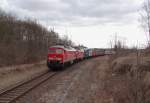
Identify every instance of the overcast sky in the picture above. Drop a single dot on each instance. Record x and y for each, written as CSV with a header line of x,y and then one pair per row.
x,y
92,23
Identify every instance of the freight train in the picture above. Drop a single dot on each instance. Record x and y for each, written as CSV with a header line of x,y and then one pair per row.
x,y
59,56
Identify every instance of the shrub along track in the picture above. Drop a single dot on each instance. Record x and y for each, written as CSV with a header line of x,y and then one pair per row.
x,y
18,91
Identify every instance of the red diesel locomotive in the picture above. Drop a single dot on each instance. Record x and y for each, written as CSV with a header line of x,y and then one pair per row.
x,y
59,56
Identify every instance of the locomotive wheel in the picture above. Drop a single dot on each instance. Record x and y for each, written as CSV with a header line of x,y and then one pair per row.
x,y
63,66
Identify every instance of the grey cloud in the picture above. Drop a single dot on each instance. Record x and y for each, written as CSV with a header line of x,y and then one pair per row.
x,y
38,5
100,8
75,12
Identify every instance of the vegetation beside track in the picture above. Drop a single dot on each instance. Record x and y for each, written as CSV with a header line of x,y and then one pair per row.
x,y
130,74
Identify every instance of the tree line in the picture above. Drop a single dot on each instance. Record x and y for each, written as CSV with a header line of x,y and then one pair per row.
x,y
25,41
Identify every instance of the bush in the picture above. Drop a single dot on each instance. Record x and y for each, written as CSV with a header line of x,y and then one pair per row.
x,y
130,80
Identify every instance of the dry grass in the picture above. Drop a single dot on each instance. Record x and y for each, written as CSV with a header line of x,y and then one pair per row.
x,y
10,76
129,79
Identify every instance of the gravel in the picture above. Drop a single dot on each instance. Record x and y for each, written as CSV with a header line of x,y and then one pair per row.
x,y
80,83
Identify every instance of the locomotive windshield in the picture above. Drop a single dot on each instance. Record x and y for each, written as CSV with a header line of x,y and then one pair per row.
x,y
51,51
55,51
59,51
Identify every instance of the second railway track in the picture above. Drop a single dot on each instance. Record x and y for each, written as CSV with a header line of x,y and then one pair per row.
x,y
13,94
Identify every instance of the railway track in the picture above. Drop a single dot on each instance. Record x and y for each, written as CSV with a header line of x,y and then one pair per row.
x,y
18,91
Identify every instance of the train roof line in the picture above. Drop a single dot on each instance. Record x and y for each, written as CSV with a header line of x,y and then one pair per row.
x,y
64,47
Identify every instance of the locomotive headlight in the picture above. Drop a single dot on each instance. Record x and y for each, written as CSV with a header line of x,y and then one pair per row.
x,y
50,58
58,58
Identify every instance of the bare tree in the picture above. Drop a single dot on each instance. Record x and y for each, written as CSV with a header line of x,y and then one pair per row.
x,y
145,18
118,42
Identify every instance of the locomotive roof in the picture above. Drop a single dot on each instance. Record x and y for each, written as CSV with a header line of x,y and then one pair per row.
x,y
68,48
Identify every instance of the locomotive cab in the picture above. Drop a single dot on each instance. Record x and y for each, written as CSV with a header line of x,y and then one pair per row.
x,y
55,57
59,56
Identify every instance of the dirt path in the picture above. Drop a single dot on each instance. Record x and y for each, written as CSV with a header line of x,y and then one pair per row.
x,y
80,85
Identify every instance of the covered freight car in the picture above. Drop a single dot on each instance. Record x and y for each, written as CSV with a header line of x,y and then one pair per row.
x,y
88,53
93,52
